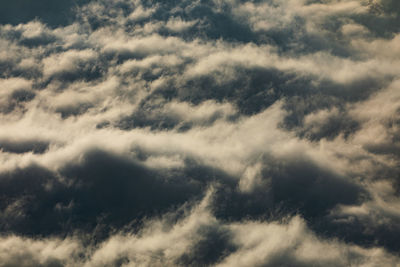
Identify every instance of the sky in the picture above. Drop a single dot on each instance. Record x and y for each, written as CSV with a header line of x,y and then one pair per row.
x,y
200,133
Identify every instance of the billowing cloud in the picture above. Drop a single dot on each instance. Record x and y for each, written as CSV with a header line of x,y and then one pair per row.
x,y
199,133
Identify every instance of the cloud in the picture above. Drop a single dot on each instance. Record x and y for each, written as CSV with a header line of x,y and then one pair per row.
x,y
22,11
198,237
221,133
119,192
17,251
35,146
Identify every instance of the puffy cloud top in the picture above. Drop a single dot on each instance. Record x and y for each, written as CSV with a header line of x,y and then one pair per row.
x,y
200,133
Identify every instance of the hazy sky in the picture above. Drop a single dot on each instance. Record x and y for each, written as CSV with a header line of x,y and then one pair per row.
x,y
200,133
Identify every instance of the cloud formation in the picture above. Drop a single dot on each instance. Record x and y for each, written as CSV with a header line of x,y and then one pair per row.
x,y
200,133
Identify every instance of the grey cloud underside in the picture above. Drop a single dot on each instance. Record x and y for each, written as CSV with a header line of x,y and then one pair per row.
x,y
52,12
200,133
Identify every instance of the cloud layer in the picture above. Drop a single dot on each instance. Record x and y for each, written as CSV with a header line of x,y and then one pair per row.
x,y
200,133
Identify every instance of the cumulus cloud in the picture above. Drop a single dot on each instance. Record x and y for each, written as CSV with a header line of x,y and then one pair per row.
x,y
195,238
199,133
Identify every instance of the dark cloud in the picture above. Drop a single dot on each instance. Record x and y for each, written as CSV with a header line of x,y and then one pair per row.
x,y
22,95
357,231
14,146
72,110
289,187
104,189
214,245
54,13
